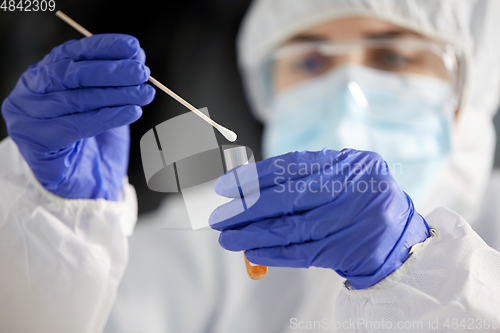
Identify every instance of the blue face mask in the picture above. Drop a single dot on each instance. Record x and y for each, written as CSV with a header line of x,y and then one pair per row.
x,y
404,118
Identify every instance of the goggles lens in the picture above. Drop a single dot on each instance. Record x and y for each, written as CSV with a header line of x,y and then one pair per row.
x,y
293,64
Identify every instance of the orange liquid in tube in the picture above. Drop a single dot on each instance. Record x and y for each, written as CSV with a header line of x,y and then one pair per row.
x,y
235,157
255,272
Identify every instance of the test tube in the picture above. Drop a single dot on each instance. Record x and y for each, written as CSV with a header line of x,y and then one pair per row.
x,y
234,157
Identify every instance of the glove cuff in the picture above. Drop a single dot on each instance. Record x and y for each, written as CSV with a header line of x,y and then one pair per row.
x,y
415,231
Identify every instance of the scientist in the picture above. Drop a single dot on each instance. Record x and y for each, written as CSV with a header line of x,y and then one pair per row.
x,y
408,87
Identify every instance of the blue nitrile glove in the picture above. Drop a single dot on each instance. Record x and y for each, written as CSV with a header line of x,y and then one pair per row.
x,y
339,210
69,114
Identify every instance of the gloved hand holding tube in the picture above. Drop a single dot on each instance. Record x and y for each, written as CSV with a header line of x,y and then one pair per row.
x,y
69,114
333,209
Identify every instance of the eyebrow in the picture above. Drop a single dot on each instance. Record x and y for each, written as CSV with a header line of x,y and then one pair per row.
x,y
307,38
390,35
372,36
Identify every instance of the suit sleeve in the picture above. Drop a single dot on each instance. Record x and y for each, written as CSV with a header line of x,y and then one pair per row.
x,y
60,260
451,283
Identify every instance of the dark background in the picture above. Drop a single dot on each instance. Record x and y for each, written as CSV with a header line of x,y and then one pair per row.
x,y
190,47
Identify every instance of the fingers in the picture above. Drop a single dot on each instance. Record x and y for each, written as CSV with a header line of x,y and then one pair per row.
x,y
68,74
293,197
280,169
57,104
57,133
312,225
329,252
311,191
335,251
140,56
279,231
96,47
295,255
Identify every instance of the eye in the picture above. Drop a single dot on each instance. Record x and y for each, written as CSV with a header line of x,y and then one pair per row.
x,y
311,64
391,60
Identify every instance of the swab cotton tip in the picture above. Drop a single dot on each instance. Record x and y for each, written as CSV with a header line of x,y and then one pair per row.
x,y
228,134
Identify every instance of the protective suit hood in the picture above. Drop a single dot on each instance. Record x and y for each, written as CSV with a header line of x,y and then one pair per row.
x,y
470,26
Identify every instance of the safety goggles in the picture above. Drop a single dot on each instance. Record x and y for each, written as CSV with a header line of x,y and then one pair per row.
x,y
296,63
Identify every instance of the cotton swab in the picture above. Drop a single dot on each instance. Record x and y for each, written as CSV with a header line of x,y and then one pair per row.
x,y
228,134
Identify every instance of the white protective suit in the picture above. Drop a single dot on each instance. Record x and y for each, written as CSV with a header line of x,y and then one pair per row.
x,y
61,260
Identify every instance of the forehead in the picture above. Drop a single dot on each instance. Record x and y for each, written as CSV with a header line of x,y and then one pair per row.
x,y
352,28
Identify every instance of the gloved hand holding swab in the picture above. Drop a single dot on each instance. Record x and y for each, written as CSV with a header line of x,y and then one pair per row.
x,y
228,134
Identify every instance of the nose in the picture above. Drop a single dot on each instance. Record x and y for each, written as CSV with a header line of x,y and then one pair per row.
x,y
349,58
